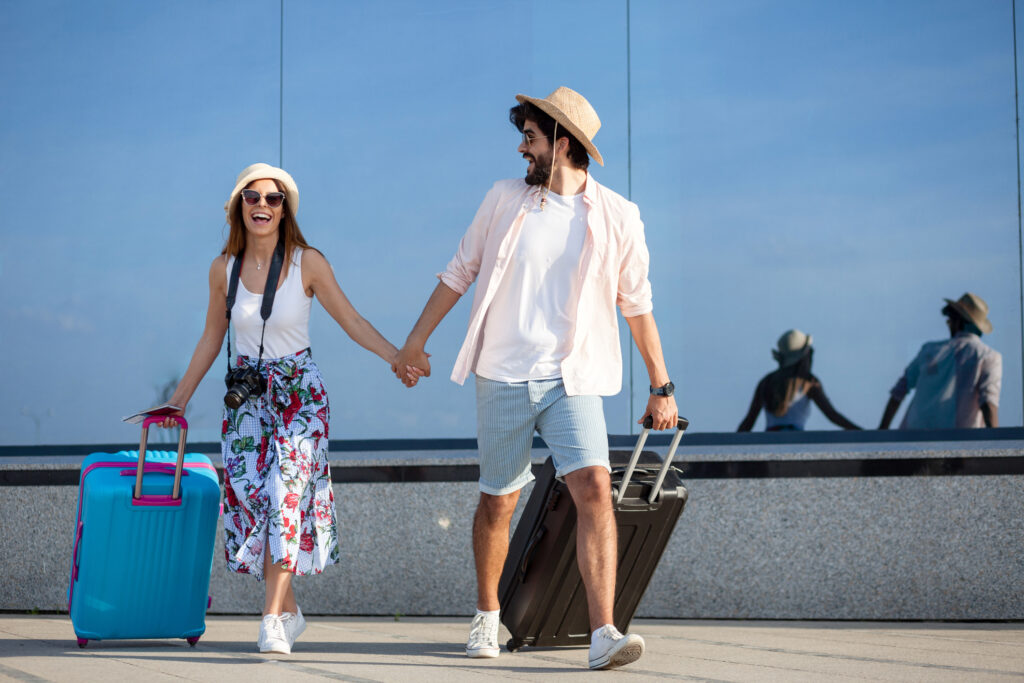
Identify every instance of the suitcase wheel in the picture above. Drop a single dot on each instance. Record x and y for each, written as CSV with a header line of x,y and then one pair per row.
x,y
513,644
191,641
82,642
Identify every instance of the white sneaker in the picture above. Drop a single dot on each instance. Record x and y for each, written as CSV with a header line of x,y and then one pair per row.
x,y
610,649
294,625
483,636
273,637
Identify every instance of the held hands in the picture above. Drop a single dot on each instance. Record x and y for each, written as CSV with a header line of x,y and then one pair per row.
x,y
410,364
663,412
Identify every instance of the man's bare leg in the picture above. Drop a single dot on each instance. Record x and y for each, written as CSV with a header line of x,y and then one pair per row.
x,y
596,540
597,554
490,546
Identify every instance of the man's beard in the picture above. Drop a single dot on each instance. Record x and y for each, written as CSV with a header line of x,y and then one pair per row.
x,y
541,172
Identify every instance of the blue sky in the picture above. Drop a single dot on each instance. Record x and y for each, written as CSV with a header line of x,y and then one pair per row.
x,y
836,167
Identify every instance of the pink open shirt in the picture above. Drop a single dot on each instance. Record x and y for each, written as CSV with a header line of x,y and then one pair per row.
x,y
613,270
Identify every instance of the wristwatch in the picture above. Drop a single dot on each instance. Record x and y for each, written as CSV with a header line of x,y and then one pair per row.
x,y
665,390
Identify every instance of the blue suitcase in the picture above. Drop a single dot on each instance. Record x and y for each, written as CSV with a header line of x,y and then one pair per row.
x,y
143,547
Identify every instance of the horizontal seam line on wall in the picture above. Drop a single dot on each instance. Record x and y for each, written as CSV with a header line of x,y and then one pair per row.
x,y
736,469
993,436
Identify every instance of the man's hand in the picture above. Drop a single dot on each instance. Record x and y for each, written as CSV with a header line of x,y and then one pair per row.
x,y
410,364
663,412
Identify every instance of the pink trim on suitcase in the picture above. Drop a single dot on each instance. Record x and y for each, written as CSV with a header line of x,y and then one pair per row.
x,y
157,501
156,468
74,574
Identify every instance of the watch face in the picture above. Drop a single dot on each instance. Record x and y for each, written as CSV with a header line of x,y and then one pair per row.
x,y
666,390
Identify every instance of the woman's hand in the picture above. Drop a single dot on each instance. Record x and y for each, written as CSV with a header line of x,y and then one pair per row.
x,y
168,422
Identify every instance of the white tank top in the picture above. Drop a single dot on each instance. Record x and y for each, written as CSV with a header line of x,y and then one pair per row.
x,y
795,417
288,324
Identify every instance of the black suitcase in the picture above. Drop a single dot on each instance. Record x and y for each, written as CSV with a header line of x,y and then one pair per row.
x,y
543,602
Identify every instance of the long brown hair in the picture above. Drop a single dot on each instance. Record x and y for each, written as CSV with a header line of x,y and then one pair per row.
x,y
782,386
289,227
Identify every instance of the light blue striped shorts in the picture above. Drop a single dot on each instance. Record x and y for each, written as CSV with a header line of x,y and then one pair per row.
x,y
508,413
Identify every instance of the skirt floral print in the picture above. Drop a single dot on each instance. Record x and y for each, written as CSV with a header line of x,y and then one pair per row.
x,y
277,484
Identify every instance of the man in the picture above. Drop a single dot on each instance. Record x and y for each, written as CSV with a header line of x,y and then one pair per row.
x,y
552,255
957,381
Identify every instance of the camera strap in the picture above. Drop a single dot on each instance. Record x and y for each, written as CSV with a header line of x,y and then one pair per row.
x,y
269,292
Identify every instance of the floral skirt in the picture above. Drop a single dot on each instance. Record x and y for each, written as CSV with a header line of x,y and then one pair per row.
x,y
277,484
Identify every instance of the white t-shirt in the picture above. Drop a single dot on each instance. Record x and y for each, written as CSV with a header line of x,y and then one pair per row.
x,y
528,329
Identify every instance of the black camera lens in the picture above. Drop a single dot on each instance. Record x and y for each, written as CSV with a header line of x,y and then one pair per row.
x,y
241,383
236,396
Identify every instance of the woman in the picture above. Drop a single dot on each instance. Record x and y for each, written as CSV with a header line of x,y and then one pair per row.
x,y
279,516
786,394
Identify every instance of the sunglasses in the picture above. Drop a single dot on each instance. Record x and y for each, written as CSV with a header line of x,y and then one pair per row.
x,y
252,198
529,139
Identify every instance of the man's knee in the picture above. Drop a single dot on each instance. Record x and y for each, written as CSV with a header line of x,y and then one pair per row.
x,y
493,510
590,487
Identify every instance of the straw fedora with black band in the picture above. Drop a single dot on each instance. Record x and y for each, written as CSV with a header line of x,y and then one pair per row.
x,y
973,308
572,112
259,172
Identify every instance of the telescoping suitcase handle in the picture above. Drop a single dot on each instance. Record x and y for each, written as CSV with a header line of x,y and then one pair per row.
x,y
153,419
641,440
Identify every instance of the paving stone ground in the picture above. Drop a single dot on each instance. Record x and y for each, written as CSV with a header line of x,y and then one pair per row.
x,y
43,648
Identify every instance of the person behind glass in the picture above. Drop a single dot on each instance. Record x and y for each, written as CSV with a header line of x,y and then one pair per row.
x,y
279,514
786,394
956,381
552,255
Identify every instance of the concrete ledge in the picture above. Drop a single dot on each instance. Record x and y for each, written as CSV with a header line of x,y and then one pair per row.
x,y
938,545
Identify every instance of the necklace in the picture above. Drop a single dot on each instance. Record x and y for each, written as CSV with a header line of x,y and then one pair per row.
x,y
259,266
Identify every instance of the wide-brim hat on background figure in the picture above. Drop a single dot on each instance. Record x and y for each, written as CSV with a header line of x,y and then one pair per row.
x,y
973,308
258,172
792,347
573,113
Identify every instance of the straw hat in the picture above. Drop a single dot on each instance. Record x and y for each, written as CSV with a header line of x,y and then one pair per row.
x,y
793,346
258,172
972,307
572,112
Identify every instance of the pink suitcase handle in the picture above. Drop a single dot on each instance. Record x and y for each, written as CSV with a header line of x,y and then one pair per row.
x,y
153,419
179,466
156,500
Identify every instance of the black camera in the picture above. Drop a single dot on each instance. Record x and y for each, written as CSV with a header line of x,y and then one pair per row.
x,y
241,383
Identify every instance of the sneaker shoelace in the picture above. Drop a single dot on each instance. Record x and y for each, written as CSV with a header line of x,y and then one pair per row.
x,y
484,632
275,628
611,633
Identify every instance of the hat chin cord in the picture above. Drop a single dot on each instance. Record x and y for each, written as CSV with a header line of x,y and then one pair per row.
x,y
551,176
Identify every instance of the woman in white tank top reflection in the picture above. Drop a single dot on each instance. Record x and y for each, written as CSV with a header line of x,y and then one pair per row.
x,y
787,393
279,515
